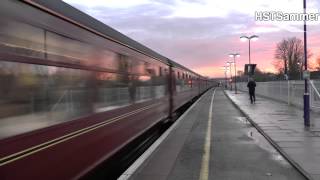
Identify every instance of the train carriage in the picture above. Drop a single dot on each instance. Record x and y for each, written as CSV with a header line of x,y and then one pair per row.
x,y
75,91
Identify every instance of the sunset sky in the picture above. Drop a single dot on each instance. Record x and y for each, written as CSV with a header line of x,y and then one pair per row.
x,y
200,34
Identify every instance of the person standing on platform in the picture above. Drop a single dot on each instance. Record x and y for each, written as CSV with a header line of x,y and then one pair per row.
x,y
252,86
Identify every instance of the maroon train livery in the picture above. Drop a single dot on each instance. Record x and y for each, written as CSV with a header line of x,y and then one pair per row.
x,y
74,91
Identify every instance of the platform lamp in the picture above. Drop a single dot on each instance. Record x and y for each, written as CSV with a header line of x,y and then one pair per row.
x,y
253,38
234,55
229,63
225,68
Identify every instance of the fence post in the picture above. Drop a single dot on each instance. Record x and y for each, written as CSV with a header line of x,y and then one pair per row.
x,y
289,98
311,92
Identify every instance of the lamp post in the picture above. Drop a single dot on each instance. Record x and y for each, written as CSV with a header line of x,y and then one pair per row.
x,y
306,96
225,68
230,65
234,55
245,38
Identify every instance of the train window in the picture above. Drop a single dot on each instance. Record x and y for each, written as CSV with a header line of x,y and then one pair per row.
x,y
138,66
38,93
20,38
113,91
106,59
178,75
160,71
151,69
41,96
24,39
61,48
55,94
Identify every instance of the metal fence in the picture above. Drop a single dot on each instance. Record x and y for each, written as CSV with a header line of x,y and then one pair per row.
x,y
290,92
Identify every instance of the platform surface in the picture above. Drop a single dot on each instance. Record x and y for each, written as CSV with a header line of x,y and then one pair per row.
x,y
284,125
225,146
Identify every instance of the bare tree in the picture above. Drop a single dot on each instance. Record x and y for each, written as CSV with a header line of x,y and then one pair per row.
x,y
290,52
278,65
317,64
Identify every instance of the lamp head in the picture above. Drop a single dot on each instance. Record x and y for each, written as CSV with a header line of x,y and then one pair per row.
x,y
254,37
234,55
244,38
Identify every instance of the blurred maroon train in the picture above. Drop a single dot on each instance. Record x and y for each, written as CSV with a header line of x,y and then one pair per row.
x,y
74,91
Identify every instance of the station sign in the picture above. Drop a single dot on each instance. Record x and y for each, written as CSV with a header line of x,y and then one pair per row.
x,y
249,69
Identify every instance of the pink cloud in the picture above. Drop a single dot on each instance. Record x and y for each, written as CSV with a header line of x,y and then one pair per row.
x,y
202,43
262,52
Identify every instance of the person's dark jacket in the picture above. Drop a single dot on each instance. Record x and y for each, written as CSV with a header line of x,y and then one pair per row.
x,y
251,85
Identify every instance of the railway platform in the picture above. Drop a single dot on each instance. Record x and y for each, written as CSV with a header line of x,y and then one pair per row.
x,y
212,140
283,125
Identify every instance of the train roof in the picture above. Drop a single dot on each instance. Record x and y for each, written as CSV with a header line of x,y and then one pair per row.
x,y
67,12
